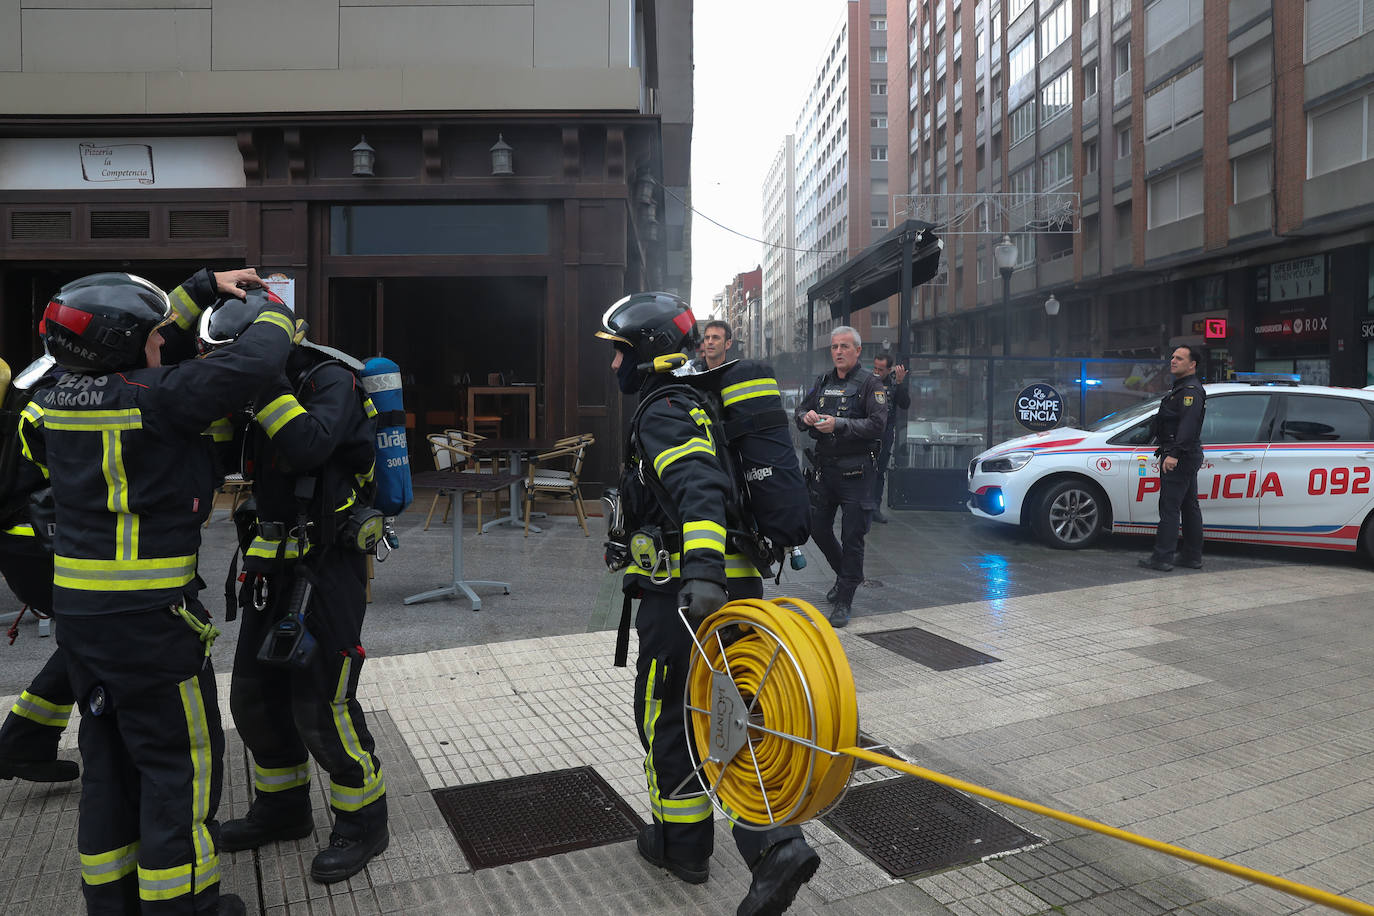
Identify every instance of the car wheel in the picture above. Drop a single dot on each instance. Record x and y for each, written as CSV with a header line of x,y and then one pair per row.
x,y
1071,515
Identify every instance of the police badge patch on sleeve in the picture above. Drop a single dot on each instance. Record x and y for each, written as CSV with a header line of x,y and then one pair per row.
x,y
880,397
1187,400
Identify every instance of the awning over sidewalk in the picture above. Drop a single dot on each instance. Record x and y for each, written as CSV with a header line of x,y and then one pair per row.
x,y
902,259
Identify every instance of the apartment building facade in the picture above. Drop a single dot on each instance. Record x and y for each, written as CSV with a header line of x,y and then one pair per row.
x,y
1221,157
780,314
464,187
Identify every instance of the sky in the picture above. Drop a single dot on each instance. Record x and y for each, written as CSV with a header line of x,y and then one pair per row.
x,y
754,59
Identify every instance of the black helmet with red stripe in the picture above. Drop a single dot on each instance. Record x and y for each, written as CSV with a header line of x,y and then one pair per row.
x,y
230,316
646,325
101,322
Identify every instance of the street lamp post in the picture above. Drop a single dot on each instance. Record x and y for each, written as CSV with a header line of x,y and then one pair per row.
x,y
768,340
1051,310
1005,253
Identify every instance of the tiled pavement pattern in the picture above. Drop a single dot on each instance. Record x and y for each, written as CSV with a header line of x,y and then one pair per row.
x,y
1231,712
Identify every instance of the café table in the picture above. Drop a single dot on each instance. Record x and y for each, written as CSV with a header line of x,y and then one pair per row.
x,y
519,451
458,483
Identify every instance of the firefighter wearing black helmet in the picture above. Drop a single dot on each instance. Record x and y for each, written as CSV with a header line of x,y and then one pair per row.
x,y
698,572
309,455
122,439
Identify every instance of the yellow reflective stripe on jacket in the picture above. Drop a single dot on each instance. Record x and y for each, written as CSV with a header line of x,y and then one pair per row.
x,y
278,412
45,712
369,408
703,535
33,413
754,388
280,320
23,530
104,867
123,575
736,567
220,430
266,548
691,446
124,418
352,798
279,779
164,883
184,308
202,770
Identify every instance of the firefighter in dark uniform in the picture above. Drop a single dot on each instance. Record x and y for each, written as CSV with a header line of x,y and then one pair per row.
x,y
701,569
121,436
310,455
845,412
1178,433
898,396
31,731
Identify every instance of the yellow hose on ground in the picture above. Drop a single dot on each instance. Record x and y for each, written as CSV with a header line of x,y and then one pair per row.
x,y
794,697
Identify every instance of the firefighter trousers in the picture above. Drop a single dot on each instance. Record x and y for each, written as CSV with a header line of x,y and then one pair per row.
x,y
152,751
665,651
287,714
35,724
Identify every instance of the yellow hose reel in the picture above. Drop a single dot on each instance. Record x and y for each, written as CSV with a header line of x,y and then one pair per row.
x,y
774,720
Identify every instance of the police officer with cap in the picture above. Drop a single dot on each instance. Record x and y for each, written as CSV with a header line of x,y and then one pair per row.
x,y
845,412
1178,433
674,496
123,439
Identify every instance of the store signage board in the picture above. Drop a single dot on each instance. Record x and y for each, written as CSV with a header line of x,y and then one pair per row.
x,y
100,163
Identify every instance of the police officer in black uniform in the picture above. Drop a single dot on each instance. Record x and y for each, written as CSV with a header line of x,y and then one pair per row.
x,y
845,412
898,396
123,439
676,491
31,731
310,454
1178,433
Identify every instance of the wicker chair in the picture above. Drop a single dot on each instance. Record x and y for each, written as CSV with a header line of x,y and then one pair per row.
x,y
562,483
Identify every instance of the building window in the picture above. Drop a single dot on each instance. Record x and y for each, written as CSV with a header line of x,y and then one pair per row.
x,y
1025,248
1332,23
879,316
1090,157
1021,60
877,55
1338,136
1123,141
1175,196
1174,103
1055,28
1166,19
878,23
1021,122
878,222
1252,69
1121,57
1089,9
1250,176
1056,97
1090,80
1056,167
879,121
1022,182
877,87
878,153
1016,8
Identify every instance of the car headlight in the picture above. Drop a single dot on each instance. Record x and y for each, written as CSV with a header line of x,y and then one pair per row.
x,y
1005,464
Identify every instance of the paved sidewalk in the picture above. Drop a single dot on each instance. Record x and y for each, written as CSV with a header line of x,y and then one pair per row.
x,y
1230,712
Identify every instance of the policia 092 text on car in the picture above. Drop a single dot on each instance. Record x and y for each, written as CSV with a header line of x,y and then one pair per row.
x,y
676,496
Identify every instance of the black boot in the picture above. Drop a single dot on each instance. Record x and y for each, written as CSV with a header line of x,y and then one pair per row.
x,y
263,826
834,593
231,905
346,856
839,617
39,770
777,878
651,849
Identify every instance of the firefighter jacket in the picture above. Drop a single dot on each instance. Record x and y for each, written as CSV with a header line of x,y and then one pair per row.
x,y
318,428
130,467
678,449
858,403
1178,425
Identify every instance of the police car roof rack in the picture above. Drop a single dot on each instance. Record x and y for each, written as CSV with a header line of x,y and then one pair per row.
x,y
1268,378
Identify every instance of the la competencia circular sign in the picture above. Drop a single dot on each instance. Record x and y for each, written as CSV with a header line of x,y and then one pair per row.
x,y
1039,407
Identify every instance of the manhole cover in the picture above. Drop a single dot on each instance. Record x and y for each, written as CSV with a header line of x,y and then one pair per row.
x,y
911,826
530,817
930,650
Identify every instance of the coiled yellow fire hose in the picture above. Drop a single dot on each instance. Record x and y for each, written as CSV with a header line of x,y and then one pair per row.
x,y
774,717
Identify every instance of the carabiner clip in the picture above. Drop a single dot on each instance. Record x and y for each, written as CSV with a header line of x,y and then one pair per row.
x,y
661,562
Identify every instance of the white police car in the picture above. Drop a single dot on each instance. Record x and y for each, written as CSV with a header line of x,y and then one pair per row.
x,y
1286,464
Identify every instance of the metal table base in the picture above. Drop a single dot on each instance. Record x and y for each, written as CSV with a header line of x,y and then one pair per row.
x,y
457,484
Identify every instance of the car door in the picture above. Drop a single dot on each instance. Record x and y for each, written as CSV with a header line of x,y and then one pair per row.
x,y
1317,486
1235,433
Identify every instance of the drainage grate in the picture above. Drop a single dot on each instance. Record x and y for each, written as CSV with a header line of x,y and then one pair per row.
x,y
911,826
870,743
530,817
928,649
